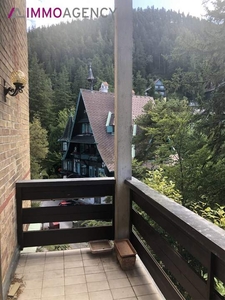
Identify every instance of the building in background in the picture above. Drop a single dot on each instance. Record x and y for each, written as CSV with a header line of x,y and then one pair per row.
x,y
157,88
88,139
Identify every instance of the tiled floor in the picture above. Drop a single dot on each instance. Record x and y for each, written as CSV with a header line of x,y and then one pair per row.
x,y
80,275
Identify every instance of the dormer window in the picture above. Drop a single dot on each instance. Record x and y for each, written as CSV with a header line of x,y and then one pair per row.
x,y
110,123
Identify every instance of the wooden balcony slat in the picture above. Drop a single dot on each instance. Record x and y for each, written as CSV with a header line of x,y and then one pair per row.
x,y
202,231
66,182
66,188
66,236
74,213
189,243
202,239
219,268
163,281
172,260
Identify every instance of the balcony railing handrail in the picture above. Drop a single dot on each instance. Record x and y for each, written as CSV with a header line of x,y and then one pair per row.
x,y
60,189
198,239
204,231
67,181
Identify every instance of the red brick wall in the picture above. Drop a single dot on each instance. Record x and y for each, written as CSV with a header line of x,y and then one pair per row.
x,y
14,125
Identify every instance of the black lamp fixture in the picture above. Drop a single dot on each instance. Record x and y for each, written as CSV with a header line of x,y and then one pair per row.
x,y
19,80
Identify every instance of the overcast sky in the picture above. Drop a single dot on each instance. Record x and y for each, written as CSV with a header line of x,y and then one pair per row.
x,y
193,7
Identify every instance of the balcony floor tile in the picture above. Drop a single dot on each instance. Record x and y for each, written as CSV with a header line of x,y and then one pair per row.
x,y
79,274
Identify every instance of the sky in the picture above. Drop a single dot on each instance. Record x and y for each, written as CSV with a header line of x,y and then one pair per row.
x,y
192,7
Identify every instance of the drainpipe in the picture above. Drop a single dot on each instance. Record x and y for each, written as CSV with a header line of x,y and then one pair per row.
x,y
123,114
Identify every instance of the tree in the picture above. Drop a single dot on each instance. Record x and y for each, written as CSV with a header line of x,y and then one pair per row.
x,y
62,92
160,182
139,171
175,138
38,148
167,139
140,84
52,161
40,93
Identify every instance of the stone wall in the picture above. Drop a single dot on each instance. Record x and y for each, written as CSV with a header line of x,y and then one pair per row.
x,y
14,130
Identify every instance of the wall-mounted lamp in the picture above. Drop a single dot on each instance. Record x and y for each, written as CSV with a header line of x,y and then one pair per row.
x,y
18,78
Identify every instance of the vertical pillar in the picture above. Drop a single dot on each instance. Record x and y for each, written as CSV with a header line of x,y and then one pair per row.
x,y
1,283
123,113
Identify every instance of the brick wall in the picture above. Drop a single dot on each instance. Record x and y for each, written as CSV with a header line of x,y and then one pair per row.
x,y
14,127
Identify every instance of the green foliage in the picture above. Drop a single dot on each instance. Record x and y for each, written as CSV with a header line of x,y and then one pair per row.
x,y
40,92
38,147
95,223
216,215
139,171
35,203
140,84
159,182
108,200
177,139
186,84
69,47
167,138
53,248
220,287
63,98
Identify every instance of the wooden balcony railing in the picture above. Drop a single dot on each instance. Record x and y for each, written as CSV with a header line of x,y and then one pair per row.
x,y
176,245
184,253
62,189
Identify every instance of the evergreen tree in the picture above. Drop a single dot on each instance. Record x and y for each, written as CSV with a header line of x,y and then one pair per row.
x,y
38,148
40,93
63,97
140,84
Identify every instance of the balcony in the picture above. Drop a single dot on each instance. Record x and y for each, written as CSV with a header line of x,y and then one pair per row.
x,y
182,252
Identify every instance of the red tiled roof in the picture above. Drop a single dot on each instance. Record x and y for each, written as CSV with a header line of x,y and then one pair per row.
x,y
97,105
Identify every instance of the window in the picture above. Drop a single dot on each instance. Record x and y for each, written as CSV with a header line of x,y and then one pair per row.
x,y
83,170
78,168
70,165
91,171
86,128
81,148
74,166
101,172
64,146
64,165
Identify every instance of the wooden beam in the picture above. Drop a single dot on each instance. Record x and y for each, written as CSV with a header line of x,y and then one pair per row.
x,y
123,114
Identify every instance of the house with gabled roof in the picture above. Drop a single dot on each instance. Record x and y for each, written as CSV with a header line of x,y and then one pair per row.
x,y
159,88
88,139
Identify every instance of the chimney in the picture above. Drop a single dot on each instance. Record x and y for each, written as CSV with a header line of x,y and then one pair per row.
x,y
104,87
